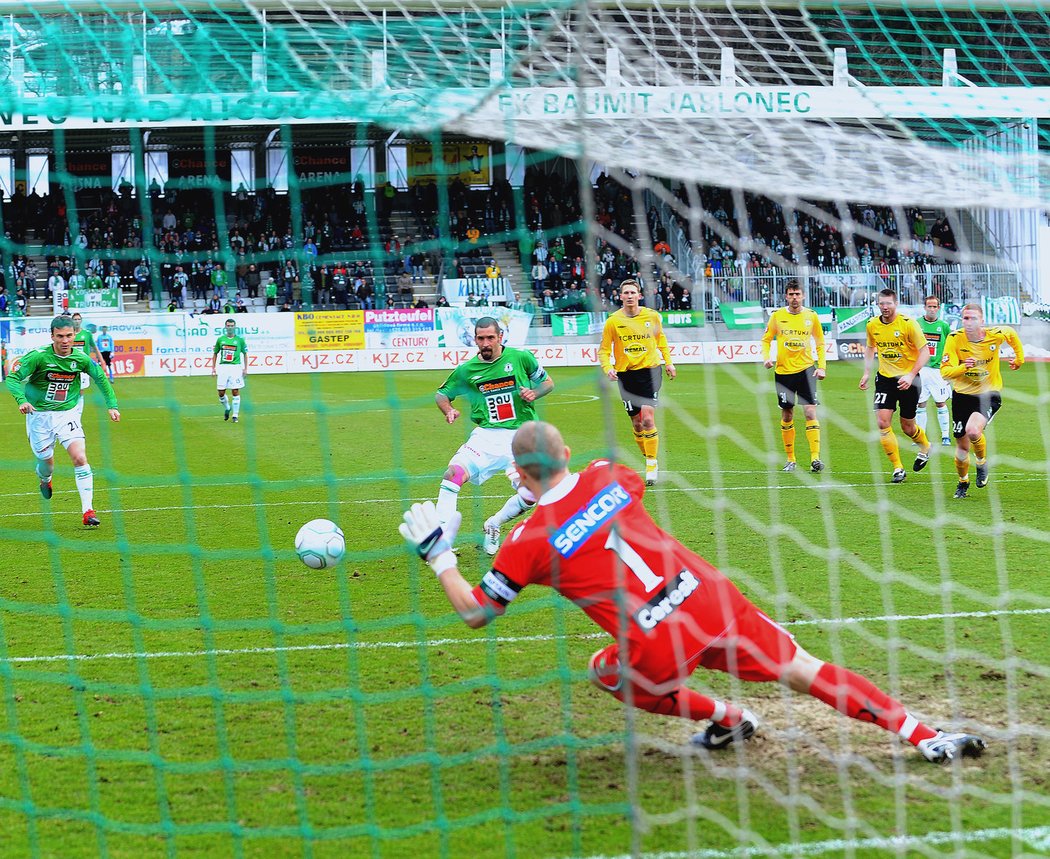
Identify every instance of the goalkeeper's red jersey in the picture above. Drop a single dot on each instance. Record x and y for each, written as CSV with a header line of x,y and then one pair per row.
x,y
591,539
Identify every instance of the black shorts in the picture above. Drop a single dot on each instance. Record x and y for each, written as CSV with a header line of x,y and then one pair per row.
x,y
801,385
105,357
640,388
889,396
964,405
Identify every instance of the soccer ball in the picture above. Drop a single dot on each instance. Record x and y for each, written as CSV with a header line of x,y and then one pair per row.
x,y
320,544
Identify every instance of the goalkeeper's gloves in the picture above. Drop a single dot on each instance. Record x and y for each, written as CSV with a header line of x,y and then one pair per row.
x,y
432,539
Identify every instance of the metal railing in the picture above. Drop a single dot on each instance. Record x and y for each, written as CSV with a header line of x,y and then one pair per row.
x,y
845,286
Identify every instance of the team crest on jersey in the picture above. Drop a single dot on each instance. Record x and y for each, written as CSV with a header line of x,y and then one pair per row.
x,y
896,334
508,367
991,348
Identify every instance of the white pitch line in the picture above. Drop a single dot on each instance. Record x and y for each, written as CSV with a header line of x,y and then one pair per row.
x,y
509,639
1036,836
322,502
1001,476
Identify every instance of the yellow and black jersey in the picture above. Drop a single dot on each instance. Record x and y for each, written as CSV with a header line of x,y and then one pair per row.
x,y
633,342
985,375
898,343
794,333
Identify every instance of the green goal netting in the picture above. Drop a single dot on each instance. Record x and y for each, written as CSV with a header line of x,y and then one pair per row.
x,y
176,682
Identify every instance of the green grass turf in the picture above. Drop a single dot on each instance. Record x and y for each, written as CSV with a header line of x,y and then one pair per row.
x,y
357,717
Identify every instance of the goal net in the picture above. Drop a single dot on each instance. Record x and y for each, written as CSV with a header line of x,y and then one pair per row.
x,y
177,682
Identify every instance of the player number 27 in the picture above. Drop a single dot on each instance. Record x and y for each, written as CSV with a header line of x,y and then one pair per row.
x,y
633,561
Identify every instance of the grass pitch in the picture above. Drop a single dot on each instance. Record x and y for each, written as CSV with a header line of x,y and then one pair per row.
x,y
177,683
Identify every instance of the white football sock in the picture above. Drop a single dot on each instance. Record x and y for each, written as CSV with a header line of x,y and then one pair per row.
x,y
236,405
448,497
942,419
922,416
514,506
85,486
44,469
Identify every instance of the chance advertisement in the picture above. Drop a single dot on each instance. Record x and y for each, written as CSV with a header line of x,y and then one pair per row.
x,y
330,329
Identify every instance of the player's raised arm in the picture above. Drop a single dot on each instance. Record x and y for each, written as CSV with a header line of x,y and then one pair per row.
x,y
433,541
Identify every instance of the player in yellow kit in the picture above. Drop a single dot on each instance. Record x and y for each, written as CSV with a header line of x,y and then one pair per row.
x,y
903,352
632,342
971,363
795,328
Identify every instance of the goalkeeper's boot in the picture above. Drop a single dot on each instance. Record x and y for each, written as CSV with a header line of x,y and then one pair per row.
x,y
652,472
90,519
789,466
962,488
899,474
982,474
816,466
943,747
921,459
718,737
491,544
45,488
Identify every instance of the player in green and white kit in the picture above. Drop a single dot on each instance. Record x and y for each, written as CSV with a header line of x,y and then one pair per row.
x,y
933,383
46,386
501,385
231,355
84,341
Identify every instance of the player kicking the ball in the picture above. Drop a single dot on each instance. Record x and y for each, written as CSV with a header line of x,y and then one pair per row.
x,y
501,384
670,611
229,366
46,386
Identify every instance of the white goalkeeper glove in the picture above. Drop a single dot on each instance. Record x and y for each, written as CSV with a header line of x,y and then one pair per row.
x,y
424,532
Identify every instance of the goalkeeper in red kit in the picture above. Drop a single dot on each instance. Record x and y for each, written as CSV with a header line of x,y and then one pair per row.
x,y
668,610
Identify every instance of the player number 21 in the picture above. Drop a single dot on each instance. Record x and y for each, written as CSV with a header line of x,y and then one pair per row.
x,y
634,562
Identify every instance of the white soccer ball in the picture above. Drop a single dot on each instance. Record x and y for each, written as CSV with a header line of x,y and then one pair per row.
x,y
319,544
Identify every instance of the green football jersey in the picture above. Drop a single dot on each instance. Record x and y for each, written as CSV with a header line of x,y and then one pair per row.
x,y
84,341
51,383
230,349
936,334
493,388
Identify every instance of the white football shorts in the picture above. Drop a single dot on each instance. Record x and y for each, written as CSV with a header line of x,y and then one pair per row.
x,y
229,376
934,386
45,428
485,454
